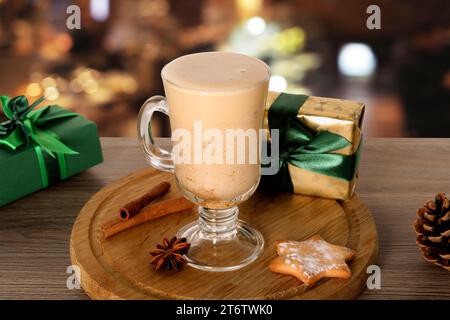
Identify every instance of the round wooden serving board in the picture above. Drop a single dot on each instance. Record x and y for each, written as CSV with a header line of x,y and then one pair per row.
x,y
118,268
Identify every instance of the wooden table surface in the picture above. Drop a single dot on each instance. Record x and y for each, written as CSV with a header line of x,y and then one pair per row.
x,y
396,177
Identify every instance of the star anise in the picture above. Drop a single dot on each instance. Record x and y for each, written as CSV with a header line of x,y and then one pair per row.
x,y
169,255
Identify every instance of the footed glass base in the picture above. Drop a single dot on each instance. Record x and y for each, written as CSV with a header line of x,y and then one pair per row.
x,y
221,242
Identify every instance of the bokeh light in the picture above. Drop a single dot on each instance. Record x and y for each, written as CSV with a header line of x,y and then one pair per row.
x,y
99,9
290,40
51,93
277,83
34,89
357,60
255,26
48,82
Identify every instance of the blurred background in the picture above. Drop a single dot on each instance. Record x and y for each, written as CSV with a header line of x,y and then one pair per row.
x,y
108,68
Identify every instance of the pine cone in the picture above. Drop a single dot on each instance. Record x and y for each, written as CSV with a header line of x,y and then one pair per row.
x,y
433,231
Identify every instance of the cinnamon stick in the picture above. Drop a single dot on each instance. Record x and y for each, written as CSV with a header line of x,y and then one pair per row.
x,y
132,208
150,212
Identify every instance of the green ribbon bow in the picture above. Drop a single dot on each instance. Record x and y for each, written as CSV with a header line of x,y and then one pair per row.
x,y
304,148
25,127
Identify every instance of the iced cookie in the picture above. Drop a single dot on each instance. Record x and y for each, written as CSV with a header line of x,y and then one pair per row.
x,y
312,260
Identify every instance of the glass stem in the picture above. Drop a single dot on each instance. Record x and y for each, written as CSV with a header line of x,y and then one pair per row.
x,y
218,224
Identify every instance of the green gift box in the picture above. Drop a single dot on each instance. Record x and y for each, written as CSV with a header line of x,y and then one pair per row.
x,y
41,147
320,144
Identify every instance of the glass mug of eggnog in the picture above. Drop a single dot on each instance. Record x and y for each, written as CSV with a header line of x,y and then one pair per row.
x,y
215,103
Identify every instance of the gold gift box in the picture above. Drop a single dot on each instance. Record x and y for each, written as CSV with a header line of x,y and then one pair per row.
x,y
343,117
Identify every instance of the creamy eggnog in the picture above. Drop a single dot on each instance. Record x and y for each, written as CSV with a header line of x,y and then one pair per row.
x,y
219,92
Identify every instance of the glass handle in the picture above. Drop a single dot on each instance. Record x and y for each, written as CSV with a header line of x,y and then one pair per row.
x,y
157,157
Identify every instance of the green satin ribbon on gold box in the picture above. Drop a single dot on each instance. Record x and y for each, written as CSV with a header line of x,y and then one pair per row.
x,y
43,146
320,144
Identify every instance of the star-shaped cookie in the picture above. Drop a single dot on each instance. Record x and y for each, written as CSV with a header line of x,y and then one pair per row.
x,y
312,260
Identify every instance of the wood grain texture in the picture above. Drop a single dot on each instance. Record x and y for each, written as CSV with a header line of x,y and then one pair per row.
x,y
119,268
396,177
